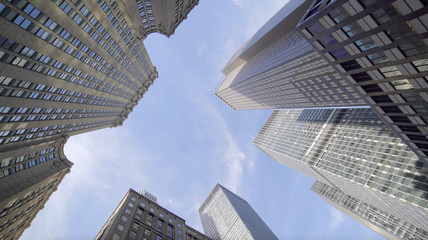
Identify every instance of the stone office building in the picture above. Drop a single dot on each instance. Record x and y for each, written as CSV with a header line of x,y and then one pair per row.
x,y
69,67
139,217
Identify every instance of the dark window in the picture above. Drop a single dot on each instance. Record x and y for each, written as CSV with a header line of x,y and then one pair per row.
x,y
422,145
361,77
372,88
409,129
382,99
350,65
400,119
315,28
391,109
417,137
327,40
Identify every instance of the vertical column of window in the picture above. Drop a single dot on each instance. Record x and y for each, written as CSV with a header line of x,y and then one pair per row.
x,y
29,52
45,35
120,31
96,26
78,16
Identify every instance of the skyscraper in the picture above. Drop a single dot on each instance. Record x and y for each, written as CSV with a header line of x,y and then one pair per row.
x,y
225,216
26,182
352,150
381,48
161,16
277,68
68,67
138,217
380,221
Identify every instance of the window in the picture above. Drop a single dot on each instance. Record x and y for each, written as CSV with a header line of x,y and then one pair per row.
x,y
120,227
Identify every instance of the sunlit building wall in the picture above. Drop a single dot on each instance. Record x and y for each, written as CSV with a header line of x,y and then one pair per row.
x,y
353,150
66,68
138,217
277,68
226,216
380,221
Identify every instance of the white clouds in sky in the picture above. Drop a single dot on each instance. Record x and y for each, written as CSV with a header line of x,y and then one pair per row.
x,y
336,218
237,2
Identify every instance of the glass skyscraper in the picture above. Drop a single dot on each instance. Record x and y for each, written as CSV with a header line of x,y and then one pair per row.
x,y
380,221
381,48
354,151
226,216
277,68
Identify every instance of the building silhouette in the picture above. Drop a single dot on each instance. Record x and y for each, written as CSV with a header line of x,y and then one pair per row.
x,y
225,216
138,217
67,68
381,48
380,221
354,151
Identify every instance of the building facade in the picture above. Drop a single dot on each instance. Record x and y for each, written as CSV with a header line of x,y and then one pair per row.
x,y
138,217
68,67
380,221
225,216
277,68
33,178
354,151
381,49
161,16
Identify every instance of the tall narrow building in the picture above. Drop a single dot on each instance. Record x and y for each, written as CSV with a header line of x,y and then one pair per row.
x,y
277,68
68,67
381,49
226,216
139,217
380,221
354,151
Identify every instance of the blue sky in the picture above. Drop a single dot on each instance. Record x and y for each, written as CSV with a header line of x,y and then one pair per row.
x,y
181,140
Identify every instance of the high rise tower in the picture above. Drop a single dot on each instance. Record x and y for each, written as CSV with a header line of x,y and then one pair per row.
x,y
139,217
68,67
380,221
353,150
225,216
277,68
381,48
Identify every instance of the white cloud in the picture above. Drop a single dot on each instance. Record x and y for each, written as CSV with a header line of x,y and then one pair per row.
x,y
237,2
336,218
234,160
201,49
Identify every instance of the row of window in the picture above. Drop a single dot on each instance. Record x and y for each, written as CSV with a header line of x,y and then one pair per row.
x,y
101,36
47,23
42,92
46,131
